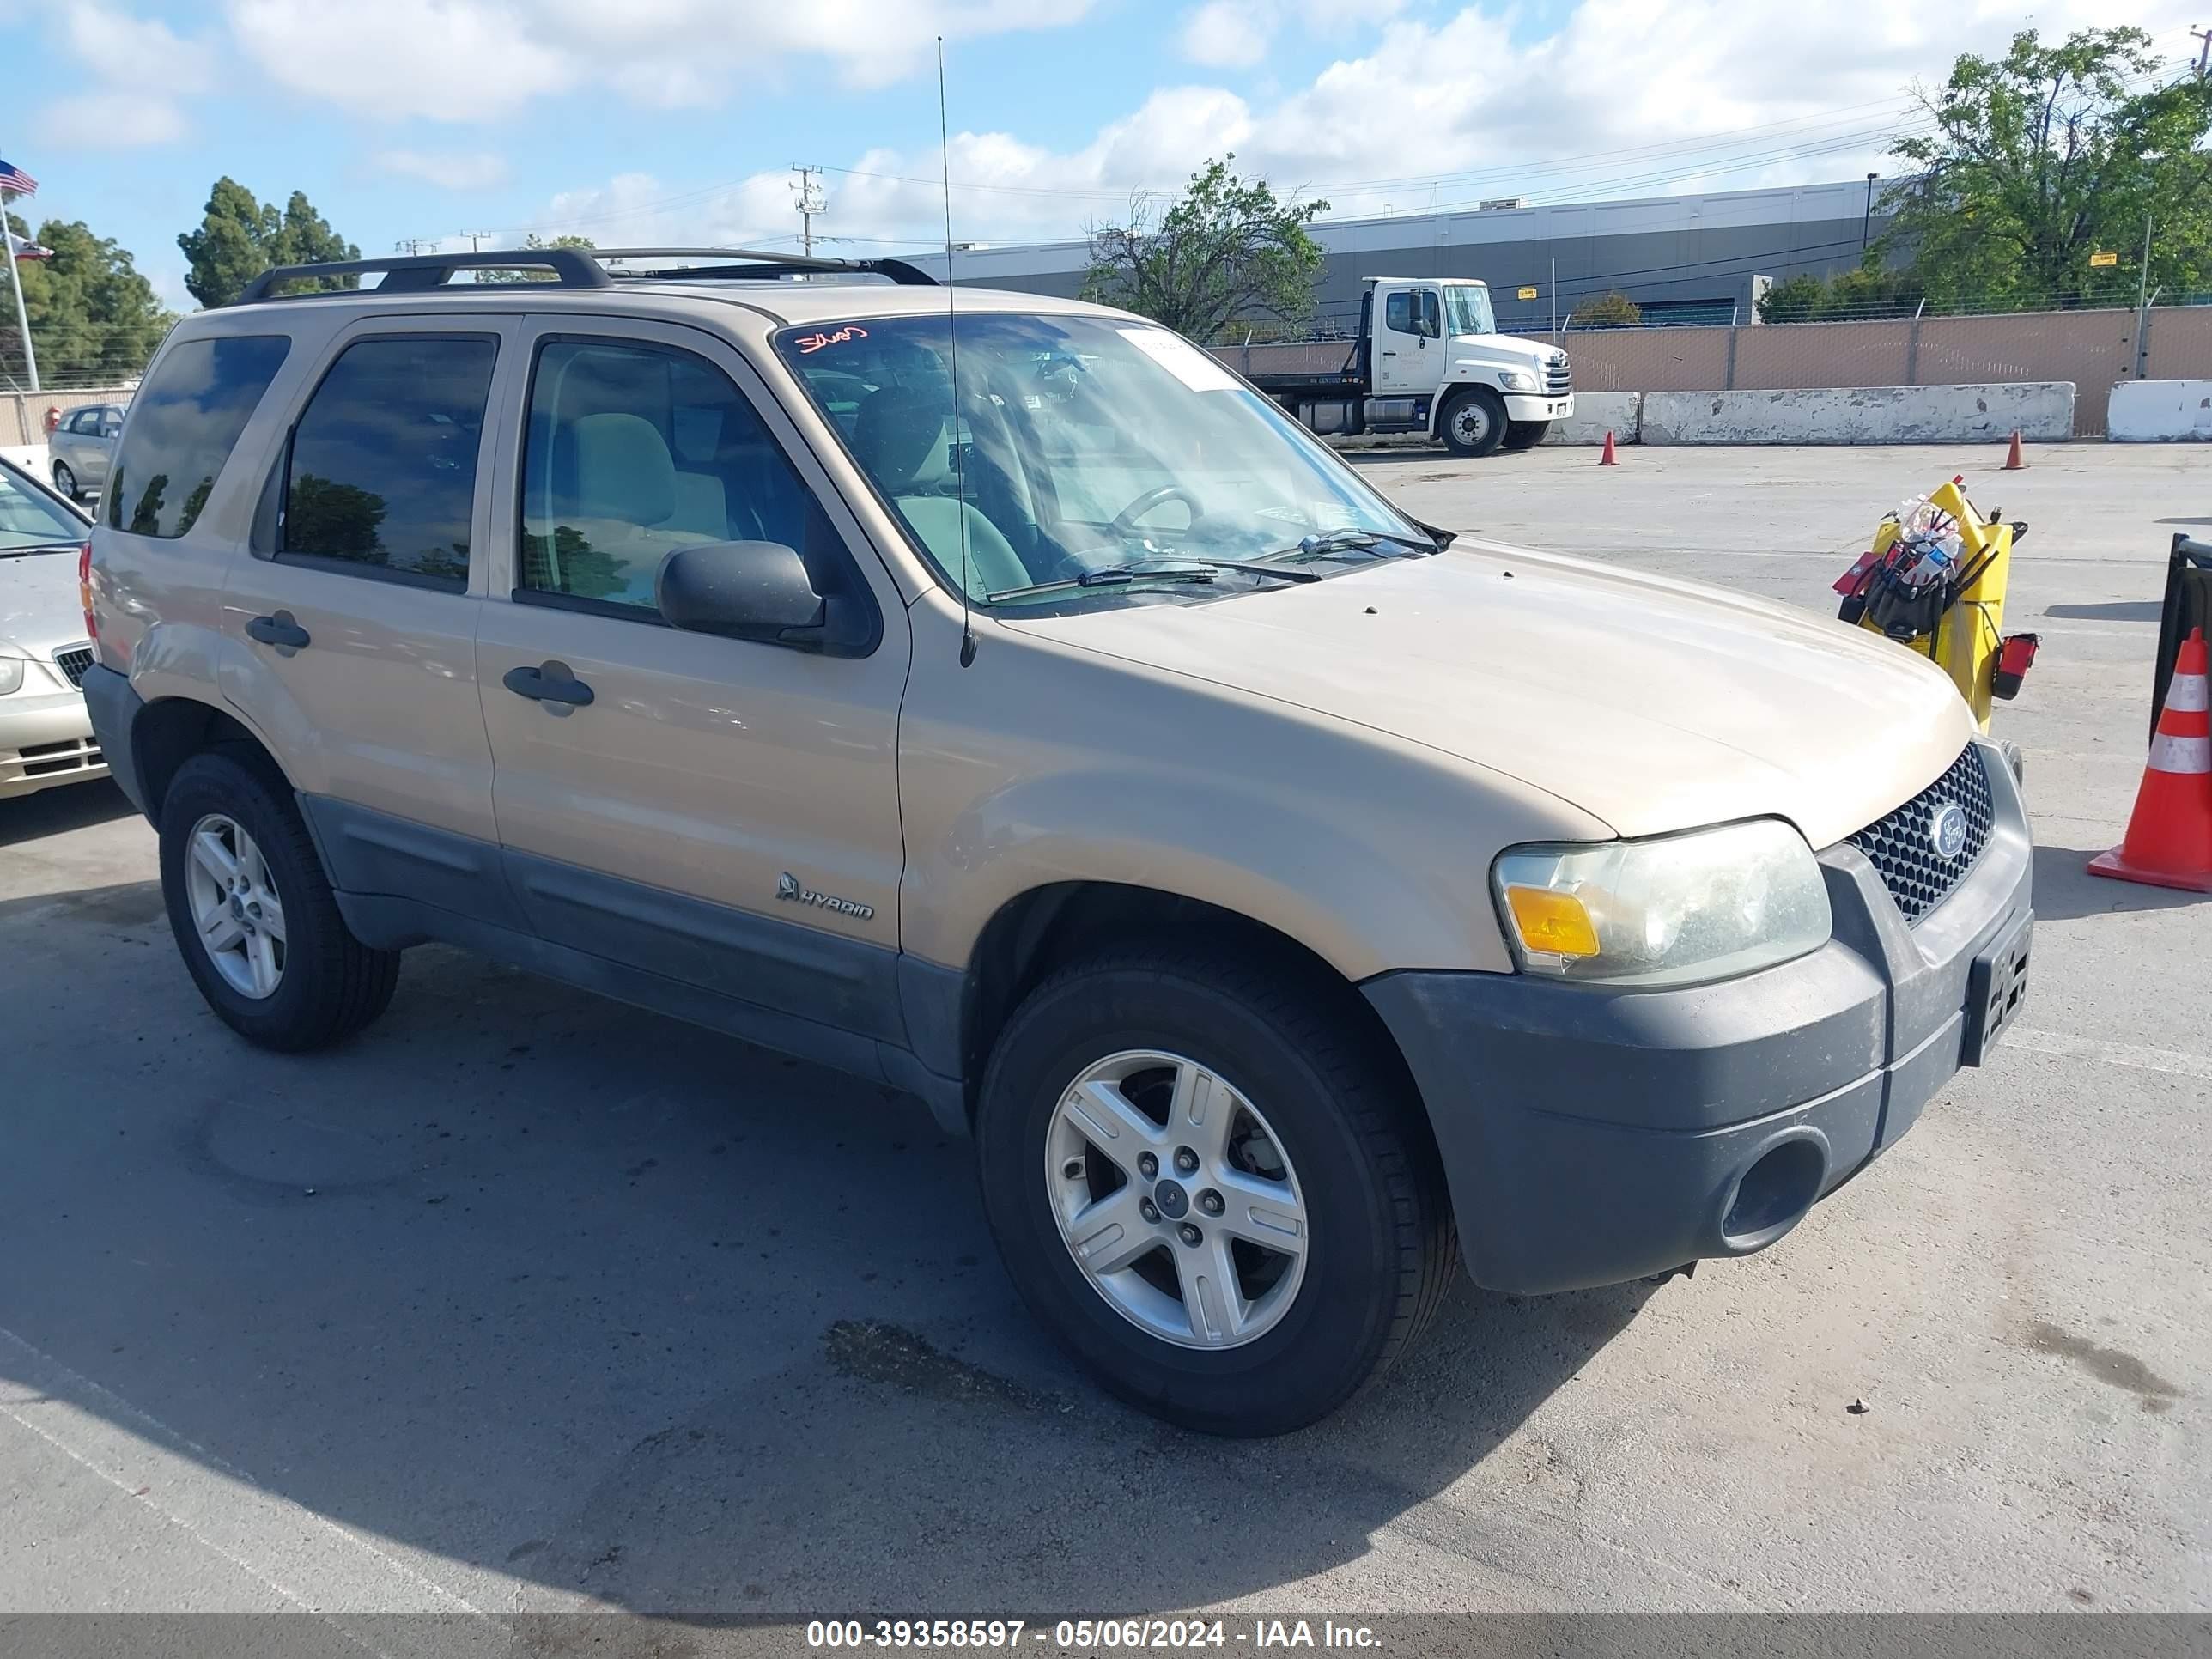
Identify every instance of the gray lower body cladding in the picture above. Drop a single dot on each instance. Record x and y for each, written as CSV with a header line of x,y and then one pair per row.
x,y
1592,1136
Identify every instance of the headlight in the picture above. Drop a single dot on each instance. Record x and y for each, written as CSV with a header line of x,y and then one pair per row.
x,y
1513,381
11,675
1674,910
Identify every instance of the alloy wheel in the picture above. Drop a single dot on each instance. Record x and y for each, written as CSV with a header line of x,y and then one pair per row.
x,y
234,907
1177,1199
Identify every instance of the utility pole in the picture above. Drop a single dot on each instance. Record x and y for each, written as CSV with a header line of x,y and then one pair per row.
x,y
477,240
810,201
1866,224
416,245
2205,35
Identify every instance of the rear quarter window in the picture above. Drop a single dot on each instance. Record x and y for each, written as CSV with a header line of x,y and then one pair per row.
x,y
185,422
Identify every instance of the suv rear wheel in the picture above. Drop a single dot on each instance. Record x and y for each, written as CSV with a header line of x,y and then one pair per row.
x,y
1209,1189
253,915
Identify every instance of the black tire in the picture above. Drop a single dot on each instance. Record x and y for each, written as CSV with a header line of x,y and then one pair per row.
x,y
1383,1248
331,984
1473,424
1525,435
66,480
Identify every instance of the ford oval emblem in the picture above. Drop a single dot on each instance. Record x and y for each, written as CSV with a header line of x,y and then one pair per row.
x,y
1947,831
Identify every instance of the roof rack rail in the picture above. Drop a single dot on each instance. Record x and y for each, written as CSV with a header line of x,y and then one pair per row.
x,y
414,273
574,267
764,262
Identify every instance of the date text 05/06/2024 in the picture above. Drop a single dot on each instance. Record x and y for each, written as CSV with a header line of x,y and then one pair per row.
x,y
1087,1635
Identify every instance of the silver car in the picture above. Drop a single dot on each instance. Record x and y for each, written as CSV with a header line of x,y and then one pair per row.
x,y
45,736
81,446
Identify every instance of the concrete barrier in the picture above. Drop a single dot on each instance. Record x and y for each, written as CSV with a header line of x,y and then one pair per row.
x,y
1597,413
2160,412
2040,409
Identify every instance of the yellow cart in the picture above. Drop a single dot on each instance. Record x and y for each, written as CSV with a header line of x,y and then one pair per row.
x,y
1967,638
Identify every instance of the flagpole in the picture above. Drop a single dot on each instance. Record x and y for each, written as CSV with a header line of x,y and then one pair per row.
x,y
16,280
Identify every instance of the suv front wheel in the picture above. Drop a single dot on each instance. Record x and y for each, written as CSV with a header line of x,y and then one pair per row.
x,y
1210,1189
253,916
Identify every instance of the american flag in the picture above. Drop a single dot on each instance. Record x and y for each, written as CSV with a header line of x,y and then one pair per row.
x,y
14,179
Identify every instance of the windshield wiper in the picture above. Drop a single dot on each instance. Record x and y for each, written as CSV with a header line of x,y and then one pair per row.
x,y
1114,575
42,547
1334,543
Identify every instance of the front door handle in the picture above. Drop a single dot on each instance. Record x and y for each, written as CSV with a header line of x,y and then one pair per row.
x,y
279,629
550,682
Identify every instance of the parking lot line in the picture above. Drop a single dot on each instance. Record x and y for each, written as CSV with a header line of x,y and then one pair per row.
x,y
219,1506
2173,1062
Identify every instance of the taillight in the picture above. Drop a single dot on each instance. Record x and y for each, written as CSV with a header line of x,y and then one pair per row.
x,y
84,590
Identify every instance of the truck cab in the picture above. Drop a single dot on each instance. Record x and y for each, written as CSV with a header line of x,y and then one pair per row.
x,y
1429,361
1436,341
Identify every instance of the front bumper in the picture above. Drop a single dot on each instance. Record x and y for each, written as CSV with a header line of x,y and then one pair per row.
x,y
1535,406
1593,1136
46,740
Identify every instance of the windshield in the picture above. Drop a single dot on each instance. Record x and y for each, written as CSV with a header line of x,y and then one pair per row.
x,y
29,518
1467,310
1085,444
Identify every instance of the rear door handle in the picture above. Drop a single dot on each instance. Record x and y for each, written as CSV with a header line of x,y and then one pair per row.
x,y
550,682
279,629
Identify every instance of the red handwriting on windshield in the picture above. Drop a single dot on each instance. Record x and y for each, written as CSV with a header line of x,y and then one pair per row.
x,y
810,343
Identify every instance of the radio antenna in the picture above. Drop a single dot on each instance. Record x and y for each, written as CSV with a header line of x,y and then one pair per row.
x,y
952,342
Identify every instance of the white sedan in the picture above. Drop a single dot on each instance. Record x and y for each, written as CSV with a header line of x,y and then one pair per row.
x,y
45,736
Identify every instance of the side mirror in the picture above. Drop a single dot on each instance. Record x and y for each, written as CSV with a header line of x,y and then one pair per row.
x,y
742,590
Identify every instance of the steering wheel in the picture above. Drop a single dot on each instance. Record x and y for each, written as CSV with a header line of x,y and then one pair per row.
x,y
1125,521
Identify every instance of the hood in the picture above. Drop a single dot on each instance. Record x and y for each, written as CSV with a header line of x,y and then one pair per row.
x,y
1502,350
39,608
1653,704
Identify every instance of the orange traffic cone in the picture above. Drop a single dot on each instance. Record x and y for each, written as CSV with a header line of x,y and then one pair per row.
x,y
2013,461
2169,839
1606,460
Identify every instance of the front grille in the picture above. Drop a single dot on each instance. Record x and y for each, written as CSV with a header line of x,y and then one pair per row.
x,y
1903,848
75,661
1558,378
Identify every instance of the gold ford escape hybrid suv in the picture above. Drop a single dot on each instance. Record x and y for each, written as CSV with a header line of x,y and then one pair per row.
x,y
1014,706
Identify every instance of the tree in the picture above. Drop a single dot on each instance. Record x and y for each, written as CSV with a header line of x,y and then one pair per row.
x,y
1609,310
535,273
2048,155
1872,290
1227,251
94,319
240,238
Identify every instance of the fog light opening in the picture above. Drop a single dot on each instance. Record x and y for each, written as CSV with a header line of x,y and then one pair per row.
x,y
1774,1194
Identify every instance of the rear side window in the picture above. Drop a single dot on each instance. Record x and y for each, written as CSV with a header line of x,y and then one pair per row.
x,y
185,422
383,472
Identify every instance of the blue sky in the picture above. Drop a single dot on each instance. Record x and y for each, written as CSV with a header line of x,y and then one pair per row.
x,y
650,120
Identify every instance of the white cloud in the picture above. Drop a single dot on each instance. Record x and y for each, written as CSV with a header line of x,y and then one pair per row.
x,y
1228,34
108,120
475,170
1638,100
1238,34
138,51
141,67
480,60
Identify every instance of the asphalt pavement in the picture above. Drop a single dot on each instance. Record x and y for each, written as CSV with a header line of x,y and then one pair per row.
x,y
527,1302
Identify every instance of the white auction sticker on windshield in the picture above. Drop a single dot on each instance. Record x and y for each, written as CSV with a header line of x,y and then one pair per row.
x,y
1181,359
